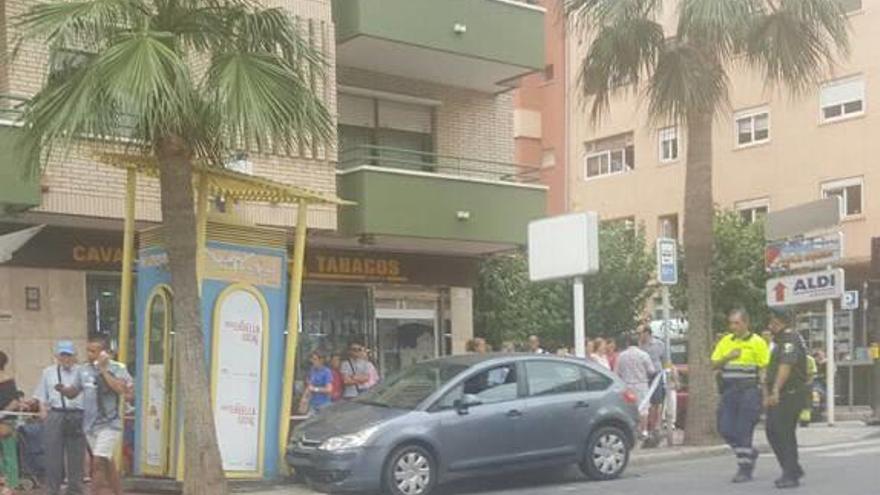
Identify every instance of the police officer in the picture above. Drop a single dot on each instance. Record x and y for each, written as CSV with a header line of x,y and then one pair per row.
x,y
740,358
784,396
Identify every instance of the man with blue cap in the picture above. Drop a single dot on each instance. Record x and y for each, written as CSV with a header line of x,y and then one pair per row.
x,y
61,408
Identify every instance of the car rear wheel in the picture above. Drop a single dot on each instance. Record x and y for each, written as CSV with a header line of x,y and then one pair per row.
x,y
607,454
410,470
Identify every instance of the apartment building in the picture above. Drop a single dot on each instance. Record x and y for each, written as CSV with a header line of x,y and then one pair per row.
x,y
425,148
771,151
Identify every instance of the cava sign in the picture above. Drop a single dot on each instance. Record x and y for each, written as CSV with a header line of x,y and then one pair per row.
x,y
806,288
806,252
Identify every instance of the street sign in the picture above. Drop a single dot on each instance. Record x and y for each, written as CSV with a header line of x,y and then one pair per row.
x,y
564,246
850,300
667,261
803,219
804,252
805,288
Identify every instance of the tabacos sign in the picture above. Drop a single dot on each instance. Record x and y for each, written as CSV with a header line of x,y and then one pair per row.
x,y
805,288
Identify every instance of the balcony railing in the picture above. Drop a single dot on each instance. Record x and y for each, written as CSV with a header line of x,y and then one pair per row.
x,y
434,163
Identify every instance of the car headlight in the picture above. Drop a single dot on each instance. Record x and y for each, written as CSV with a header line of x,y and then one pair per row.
x,y
345,442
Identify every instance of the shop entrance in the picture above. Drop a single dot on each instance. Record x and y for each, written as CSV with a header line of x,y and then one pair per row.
x,y
405,337
158,456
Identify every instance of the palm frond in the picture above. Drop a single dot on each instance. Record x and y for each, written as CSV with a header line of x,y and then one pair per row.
x,y
598,13
84,22
620,55
264,103
686,81
719,26
798,42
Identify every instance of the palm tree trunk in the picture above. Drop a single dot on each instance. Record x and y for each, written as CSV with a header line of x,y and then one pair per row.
x,y
698,245
203,465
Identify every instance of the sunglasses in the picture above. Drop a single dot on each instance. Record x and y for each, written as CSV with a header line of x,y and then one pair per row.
x,y
357,349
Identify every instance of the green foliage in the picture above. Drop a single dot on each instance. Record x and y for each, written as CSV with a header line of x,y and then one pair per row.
x,y
508,307
738,276
220,76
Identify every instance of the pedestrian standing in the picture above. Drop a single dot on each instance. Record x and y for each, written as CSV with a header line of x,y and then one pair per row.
x,y
338,382
741,358
320,384
612,353
600,353
634,367
357,371
8,447
103,383
656,349
535,345
61,408
784,396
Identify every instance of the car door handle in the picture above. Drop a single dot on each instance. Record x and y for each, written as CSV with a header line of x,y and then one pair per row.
x,y
514,413
581,404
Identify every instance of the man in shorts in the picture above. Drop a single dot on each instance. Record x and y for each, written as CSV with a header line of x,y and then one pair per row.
x,y
635,368
104,381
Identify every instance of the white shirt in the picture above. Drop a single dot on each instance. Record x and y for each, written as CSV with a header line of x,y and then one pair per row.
x,y
46,393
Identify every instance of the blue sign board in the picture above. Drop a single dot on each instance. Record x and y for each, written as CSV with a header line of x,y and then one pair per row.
x,y
667,261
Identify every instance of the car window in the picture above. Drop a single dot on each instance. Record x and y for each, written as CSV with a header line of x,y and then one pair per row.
x,y
595,381
407,389
549,378
494,385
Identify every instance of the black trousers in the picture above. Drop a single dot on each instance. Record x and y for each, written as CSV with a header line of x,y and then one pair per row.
x,y
782,433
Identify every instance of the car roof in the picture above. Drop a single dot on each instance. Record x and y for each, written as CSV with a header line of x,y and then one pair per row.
x,y
471,360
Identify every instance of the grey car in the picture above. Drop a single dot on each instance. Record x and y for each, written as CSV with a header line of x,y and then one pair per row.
x,y
469,415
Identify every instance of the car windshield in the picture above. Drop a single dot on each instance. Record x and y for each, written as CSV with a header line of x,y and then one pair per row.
x,y
407,389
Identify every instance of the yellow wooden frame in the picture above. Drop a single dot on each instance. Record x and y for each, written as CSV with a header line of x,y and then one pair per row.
x,y
170,413
264,373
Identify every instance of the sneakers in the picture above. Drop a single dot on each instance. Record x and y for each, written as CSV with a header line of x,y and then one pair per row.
x,y
744,475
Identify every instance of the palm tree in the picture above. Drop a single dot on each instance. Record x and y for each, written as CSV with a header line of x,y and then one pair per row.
x,y
195,80
684,77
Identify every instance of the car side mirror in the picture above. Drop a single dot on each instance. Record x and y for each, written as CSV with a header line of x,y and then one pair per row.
x,y
466,402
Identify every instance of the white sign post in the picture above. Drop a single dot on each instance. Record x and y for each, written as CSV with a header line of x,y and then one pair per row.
x,y
566,246
667,274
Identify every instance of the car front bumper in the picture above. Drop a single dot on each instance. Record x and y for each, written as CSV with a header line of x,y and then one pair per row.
x,y
343,471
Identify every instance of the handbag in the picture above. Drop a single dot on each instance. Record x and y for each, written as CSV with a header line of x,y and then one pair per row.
x,y
71,420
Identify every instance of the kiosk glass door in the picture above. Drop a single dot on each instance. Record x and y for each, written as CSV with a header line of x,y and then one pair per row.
x,y
158,456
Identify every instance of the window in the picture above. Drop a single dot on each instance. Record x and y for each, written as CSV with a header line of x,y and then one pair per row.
x,y
752,128
548,378
668,144
611,156
63,61
754,210
842,99
667,226
495,385
850,193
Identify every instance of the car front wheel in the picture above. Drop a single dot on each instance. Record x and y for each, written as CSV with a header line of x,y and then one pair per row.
x,y
411,470
607,454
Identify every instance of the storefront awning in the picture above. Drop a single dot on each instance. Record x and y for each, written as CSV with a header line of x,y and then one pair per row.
x,y
230,184
10,243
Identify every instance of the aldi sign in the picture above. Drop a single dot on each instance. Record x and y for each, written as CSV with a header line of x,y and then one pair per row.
x,y
806,252
806,288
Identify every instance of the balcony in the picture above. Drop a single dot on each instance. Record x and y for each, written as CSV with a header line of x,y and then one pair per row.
x,y
410,199
484,45
19,172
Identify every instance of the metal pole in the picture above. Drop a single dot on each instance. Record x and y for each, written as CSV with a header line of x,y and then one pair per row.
x,y
580,334
668,419
830,367
293,317
201,227
127,281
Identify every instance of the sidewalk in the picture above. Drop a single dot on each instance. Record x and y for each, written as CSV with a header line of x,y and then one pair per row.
x,y
817,434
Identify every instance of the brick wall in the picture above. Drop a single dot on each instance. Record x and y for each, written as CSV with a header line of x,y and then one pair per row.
x,y
77,184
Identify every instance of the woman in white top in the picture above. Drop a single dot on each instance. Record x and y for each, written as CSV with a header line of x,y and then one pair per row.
x,y
599,353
